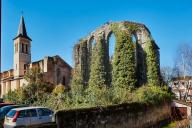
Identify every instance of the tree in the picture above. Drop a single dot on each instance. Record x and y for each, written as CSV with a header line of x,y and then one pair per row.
x,y
183,66
36,87
183,61
34,76
123,74
98,70
77,78
167,74
152,62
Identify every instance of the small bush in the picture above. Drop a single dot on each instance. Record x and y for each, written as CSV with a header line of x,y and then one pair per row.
x,y
59,89
28,94
152,94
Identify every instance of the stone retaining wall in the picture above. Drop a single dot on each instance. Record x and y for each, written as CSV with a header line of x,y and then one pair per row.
x,y
117,116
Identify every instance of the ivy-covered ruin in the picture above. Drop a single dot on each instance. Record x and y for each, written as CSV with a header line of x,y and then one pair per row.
x,y
134,63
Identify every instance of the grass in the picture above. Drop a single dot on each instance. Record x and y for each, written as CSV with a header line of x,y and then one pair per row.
x,y
171,125
178,124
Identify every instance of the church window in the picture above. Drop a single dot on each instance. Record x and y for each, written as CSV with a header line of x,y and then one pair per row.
x,y
16,47
58,74
63,81
22,47
26,48
25,68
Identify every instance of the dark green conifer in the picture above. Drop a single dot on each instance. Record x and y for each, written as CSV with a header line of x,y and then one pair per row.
x,y
152,62
124,62
98,69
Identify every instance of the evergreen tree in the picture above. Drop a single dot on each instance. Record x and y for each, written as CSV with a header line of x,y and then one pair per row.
x,y
152,62
98,69
124,75
77,79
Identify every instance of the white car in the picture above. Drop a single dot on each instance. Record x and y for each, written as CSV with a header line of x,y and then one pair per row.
x,y
28,116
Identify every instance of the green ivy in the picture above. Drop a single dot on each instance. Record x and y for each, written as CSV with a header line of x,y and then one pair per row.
x,y
98,69
123,74
153,74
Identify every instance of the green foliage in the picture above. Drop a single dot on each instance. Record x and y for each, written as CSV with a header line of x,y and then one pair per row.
x,y
171,125
98,96
34,76
78,95
121,95
28,94
98,70
76,77
81,97
123,74
59,89
131,27
152,95
33,91
153,73
14,96
57,102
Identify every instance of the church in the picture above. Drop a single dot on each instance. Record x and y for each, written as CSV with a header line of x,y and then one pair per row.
x,y
55,70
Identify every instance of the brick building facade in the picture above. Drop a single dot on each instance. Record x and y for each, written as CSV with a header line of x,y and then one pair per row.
x,y
55,70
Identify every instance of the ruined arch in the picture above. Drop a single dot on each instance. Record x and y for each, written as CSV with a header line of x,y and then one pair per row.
x,y
140,59
110,44
91,42
141,36
133,38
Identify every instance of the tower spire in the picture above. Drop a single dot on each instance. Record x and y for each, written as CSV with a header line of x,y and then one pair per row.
x,y
22,29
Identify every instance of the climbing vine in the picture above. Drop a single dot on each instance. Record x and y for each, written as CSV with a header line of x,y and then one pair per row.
x,y
153,75
123,74
98,67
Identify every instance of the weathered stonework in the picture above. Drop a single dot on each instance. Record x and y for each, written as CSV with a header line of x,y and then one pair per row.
x,y
83,49
131,115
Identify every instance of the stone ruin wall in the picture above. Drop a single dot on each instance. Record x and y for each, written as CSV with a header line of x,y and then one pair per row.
x,y
83,49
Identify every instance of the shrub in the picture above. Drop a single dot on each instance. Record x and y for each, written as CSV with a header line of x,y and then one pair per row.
x,y
98,96
152,95
28,94
14,96
58,89
121,95
78,95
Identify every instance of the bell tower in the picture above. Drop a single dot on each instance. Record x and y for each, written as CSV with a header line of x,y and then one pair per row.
x,y
22,50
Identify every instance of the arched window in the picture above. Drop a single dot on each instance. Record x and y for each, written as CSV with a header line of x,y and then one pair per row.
x,y
22,48
58,75
92,45
112,41
58,72
26,48
92,42
133,38
63,81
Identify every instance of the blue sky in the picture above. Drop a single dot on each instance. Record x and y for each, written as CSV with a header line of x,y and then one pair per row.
x,y
55,25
